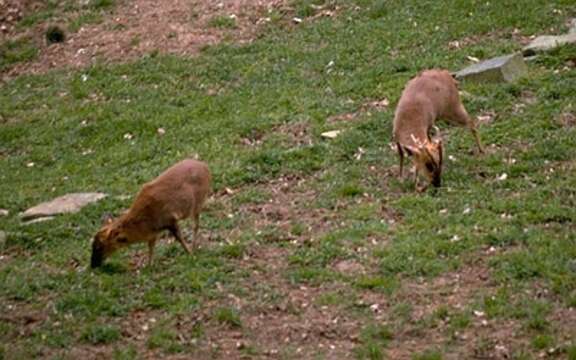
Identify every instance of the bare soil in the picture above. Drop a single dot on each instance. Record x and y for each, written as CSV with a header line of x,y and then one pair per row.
x,y
138,27
12,11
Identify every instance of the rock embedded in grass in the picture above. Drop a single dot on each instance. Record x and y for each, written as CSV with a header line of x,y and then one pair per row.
x,y
4,212
69,203
506,68
549,42
572,26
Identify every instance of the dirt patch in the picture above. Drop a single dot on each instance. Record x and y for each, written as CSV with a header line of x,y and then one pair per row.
x,y
567,118
138,27
11,11
349,267
429,328
280,318
475,39
296,133
366,108
288,205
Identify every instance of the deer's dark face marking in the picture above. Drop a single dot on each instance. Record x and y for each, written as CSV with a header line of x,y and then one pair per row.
x,y
428,160
108,239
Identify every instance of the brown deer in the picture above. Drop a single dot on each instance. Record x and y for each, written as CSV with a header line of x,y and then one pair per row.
x,y
431,95
178,193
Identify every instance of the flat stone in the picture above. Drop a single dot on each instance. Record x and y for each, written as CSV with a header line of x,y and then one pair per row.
x,y
549,42
69,203
4,212
38,220
506,68
572,26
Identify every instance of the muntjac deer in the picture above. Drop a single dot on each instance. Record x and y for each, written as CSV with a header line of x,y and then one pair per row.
x,y
178,193
431,95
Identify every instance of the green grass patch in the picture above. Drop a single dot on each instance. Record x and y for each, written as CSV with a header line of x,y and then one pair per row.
x,y
15,51
428,355
228,316
222,22
101,334
166,339
373,340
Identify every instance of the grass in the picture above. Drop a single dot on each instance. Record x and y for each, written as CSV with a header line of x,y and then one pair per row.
x,y
223,22
428,355
15,51
99,334
68,10
373,340
253,265
228,316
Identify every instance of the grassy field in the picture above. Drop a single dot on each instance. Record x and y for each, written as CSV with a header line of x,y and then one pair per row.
x,y
317,250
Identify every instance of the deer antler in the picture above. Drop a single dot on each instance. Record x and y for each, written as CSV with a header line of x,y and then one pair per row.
x,y
418,142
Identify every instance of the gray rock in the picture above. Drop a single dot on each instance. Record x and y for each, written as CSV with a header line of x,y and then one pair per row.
x,y
572,265
38,220
69,203
4,212
548,42
507,68
572,26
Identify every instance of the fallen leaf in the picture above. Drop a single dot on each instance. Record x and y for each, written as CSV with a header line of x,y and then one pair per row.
x,y
379,104
454,44
331,134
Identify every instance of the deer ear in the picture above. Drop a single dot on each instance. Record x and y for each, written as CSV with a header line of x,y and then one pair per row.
x,y
438,143
107,219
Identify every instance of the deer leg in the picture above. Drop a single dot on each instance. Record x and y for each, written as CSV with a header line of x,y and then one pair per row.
x,y
401,156
460,116
196,218
151,245
175,231
477,138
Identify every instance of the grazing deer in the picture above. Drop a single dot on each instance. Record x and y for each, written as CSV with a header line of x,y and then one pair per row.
x,y
431,95
178,193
